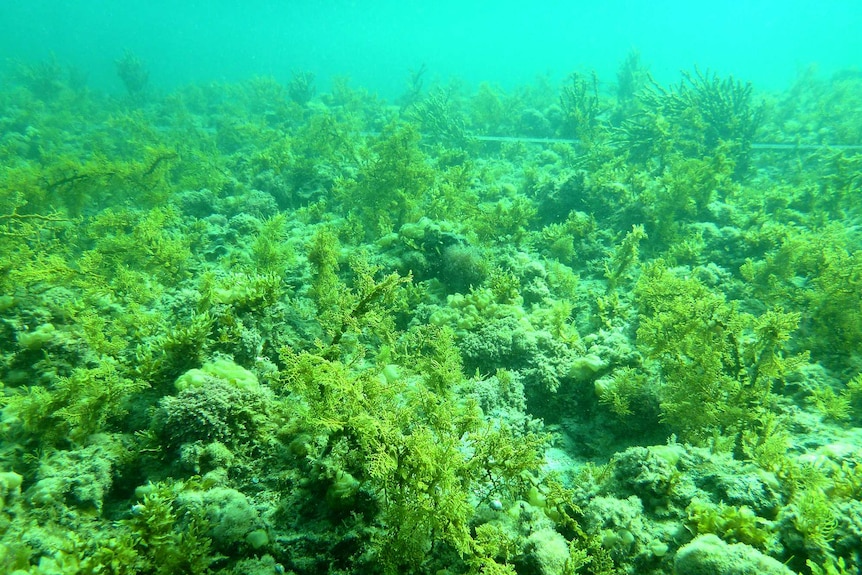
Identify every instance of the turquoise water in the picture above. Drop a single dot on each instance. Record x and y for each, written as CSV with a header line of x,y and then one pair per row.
x,y
384,288
378,43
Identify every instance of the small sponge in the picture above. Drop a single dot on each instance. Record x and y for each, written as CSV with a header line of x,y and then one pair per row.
x,y
221,368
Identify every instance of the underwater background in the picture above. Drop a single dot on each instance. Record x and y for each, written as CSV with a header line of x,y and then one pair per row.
x,y
378,43
402,287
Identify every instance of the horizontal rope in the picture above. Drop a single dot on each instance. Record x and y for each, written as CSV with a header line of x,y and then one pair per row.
x,y
519,139
756,146
804,147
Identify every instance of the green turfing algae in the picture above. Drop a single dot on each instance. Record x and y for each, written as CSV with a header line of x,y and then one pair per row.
x,y
257,328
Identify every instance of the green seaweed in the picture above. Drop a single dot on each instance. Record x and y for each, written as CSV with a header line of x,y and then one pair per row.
x,y
390,186
347,315
170,542
701,115
733,524
719,365
74,407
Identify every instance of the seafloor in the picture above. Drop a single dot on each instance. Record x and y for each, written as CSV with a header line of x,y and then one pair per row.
x,y
593,328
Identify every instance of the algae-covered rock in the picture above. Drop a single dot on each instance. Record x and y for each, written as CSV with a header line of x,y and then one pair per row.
x,y
709,555
231,516
651,475
548,552
215,410
79,479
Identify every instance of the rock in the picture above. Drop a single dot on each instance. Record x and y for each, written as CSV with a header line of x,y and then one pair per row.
x,y
709,555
